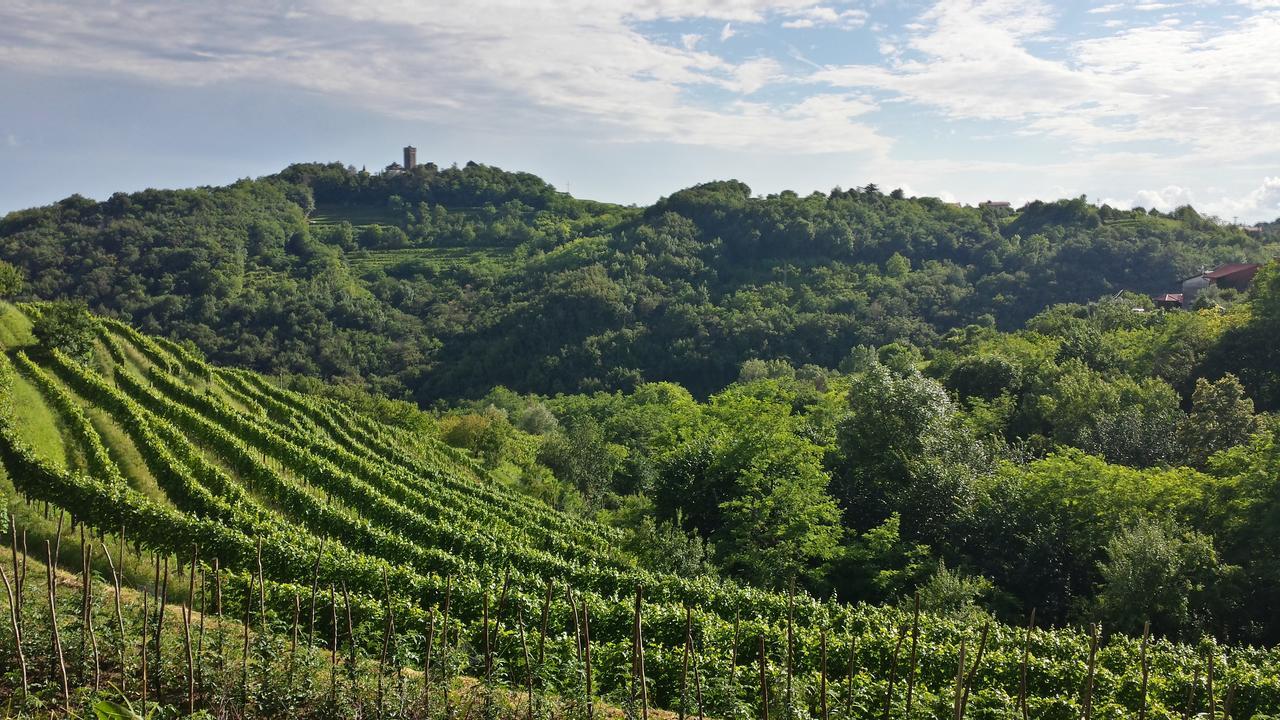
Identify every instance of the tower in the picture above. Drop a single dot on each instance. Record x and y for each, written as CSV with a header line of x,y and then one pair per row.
x,y
410,157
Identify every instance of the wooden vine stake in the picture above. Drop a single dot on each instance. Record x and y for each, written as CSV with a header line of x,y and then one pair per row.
x,y
1213,707
972,676
586,646
641,683
386,641
1191,694
764,681
848,701
528,664
1022,671
293,636
53,619
426,663
14,604
186,631
911,667
955,711
315,584
697,677
733,654
791,646
542,633
893,672
142,651
119,615
822,675
684,663
1088,681
162,603
333,648
88,617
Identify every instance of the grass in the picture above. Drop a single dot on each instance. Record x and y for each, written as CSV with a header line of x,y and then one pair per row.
x,y
15,328
358,215
37,423
439,258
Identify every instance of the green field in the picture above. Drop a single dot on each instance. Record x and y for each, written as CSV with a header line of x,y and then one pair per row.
x,y
440,259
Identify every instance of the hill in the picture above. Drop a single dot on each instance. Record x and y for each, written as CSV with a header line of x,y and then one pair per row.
x,y
305,492
442,283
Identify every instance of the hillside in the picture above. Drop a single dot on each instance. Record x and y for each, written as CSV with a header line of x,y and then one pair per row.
x,y
142,434
442,283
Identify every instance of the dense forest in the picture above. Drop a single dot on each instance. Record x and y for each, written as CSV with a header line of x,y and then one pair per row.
x,y
442,283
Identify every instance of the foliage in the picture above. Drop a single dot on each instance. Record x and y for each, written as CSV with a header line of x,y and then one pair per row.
x,y
67,327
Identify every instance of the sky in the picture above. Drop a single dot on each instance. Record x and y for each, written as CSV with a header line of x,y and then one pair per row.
x,y
1153,104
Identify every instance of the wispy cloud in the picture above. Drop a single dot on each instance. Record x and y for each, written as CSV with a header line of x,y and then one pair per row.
x,y
499,62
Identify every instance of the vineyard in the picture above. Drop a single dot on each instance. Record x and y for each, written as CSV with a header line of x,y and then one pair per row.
x,y
351,567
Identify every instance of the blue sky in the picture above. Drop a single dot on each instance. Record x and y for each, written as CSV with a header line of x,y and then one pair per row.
x,y
1132,103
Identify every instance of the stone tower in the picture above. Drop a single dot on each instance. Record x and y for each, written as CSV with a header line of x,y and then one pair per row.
x,y
410,157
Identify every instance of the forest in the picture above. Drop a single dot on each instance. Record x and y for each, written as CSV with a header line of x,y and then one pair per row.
x,y
805,455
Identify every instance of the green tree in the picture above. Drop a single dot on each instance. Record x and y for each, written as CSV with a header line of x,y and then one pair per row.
x,y
1221,417
67,326
1160,572
12,280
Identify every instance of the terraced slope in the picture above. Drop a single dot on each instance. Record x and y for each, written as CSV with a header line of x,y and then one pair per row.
x,y
181,454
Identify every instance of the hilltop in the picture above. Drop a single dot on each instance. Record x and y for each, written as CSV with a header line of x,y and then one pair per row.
x,y
441,283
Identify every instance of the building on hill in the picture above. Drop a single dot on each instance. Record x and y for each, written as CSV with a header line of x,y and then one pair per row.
x,y
997,204
1169,301
1235,276
410,157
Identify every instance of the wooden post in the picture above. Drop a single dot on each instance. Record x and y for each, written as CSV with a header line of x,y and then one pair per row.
x,y
93,633
733,655
955,711
848,701
17,631
244,646
684,666
502,596
577,626
911,667
191,668
204,612
528,665
351,638
1022,672
143,649
115,583
333,648
186,630
542,635
445,661
973,672
426,663
822,687
262,593
386,641
17,571
586,643
1088,682
315,584
163,602
1213,705
293,636
488,654
697,676
791,611
893,672
638,669
1191,694
53,619
764,681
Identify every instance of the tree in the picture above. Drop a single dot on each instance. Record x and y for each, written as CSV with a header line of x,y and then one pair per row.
x,y
66,326
12,280
581,457
1160,572
902,449
1221,417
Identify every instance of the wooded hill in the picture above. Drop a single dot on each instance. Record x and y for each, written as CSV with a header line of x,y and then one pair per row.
x,y
442,283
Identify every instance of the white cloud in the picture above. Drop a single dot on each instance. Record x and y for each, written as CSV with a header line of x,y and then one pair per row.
x,y
1260,203
819,16
504,64
1208,93
689,41
727,32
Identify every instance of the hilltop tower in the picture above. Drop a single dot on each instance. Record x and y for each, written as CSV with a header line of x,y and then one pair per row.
x,y
410,157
